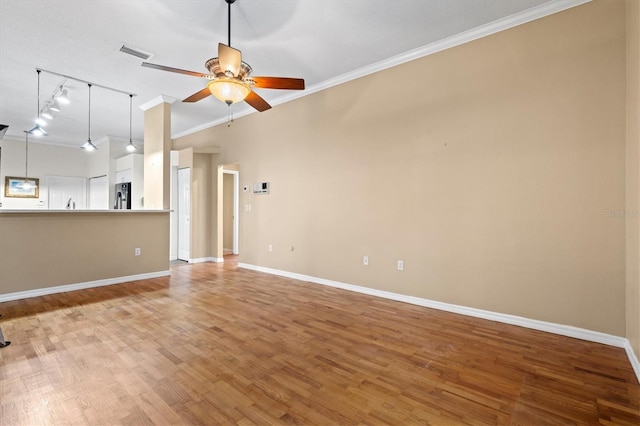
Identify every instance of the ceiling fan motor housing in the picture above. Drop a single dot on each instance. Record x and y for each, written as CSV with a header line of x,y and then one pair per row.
x,y
213,65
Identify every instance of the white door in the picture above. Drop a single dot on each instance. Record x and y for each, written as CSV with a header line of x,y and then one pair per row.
x,y
99,193
184,213
66,191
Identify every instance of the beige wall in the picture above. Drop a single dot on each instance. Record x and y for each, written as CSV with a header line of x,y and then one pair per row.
x,y
633,174
47,249
203,222
491,169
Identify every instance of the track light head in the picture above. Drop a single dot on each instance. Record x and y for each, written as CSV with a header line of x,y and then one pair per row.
x,y
47,114
63,97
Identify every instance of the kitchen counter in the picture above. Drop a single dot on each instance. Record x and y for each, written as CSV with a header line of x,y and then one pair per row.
x,y
47,251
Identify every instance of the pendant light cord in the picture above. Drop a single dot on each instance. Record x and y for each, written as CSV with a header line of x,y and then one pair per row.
x,y
26,155
38,71
89,127
130,115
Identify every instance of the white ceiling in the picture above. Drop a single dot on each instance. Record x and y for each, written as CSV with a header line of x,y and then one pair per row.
x,y
322,41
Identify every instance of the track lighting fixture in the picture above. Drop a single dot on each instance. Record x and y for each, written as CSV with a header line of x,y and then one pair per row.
x,y
88,145
60,96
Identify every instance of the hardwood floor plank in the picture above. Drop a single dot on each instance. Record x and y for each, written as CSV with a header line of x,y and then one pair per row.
x,y
214,344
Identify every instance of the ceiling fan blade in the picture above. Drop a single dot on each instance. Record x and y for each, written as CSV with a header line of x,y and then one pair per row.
x,y
279,83
199,95
176,70
229,59
257,102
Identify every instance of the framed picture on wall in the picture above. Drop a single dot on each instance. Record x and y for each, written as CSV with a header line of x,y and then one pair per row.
x,y
21,187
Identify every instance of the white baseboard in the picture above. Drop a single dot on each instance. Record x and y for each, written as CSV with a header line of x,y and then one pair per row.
x,y
207,259
80,286
560,329
633,359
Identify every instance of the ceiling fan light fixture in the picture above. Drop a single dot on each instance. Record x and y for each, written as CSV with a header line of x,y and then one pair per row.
x,y
229,90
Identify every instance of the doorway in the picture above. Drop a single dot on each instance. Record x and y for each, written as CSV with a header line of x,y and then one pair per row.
x,y
184,213
99,193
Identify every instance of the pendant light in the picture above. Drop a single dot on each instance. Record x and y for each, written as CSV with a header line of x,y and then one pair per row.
x,y
130,146
88,145
38,130
26,182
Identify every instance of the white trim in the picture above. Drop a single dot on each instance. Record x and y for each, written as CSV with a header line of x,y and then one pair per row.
x,y
502,24
633,359
80,286
549,327
157,101
207,259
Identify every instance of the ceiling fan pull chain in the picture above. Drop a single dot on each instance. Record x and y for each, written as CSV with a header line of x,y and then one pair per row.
x,y
230,116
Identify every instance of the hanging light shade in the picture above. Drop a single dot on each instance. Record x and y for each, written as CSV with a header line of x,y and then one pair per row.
x,y
37,129
130,146
88,145
229,90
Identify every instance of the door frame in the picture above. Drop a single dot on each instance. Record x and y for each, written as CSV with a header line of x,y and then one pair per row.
x,y
180,234
236,207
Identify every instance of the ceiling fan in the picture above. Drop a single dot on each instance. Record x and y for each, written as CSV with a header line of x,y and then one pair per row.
x,y
230,79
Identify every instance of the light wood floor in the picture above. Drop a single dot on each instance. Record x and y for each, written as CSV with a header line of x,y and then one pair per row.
x,y
217,345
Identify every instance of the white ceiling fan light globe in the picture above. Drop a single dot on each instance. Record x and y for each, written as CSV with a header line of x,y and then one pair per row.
x,y
229,90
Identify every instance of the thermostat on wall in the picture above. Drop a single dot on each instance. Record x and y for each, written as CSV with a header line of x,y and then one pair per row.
x,y
261,188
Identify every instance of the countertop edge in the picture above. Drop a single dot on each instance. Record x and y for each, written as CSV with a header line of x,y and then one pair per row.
x,y
46,211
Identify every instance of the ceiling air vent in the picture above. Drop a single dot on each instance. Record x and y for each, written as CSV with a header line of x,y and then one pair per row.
x,y
134,51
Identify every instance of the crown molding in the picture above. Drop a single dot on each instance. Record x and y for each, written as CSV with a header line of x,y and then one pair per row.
x,y
502,24
157,101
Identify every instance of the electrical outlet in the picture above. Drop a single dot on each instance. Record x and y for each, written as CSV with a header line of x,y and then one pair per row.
x,y
400,265
137,251
365,261
270,247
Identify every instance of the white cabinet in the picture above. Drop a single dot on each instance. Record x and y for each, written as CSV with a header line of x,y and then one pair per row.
x,y
123,176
